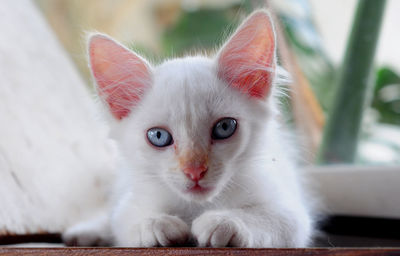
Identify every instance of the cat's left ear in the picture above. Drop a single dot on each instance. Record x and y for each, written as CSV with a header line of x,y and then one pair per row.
x,y
122,76
247,61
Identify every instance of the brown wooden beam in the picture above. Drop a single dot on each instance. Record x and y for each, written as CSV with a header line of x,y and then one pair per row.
x,y
194,251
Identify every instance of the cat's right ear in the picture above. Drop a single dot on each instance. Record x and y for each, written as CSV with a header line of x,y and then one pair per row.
x,y
121,75
247,61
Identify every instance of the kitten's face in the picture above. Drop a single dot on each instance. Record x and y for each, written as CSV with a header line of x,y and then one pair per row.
x,y
189,123
187,100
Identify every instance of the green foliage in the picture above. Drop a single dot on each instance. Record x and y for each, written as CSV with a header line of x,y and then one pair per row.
x,y
200,29
386,98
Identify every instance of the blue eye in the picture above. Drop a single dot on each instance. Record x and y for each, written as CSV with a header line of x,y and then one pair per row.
x,y
224,129
159,137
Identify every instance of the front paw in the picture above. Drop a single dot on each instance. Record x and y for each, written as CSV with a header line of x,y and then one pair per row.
x,y
214,229
164,230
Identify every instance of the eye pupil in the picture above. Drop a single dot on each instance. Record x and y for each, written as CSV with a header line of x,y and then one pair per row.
x,y
159,137
224,129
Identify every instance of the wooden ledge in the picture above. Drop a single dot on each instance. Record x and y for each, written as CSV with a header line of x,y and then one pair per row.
x,y
195,251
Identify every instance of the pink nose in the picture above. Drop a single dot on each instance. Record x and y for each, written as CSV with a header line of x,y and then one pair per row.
x,y
195,173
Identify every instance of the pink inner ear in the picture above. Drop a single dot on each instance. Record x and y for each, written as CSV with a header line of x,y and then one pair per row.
x,y
246,62
121,75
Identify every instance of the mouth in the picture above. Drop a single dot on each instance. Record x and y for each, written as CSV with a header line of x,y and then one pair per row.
x,y
197,189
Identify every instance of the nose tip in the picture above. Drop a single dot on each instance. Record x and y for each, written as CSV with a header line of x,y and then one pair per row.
x,y
195,173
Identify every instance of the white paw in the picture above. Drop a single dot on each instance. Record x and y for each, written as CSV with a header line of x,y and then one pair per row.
x,y
164,230
87,234
219,230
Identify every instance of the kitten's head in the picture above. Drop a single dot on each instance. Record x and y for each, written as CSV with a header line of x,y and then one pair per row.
x,y
189,123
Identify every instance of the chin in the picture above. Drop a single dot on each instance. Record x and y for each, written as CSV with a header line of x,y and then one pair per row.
x,y
200,193
195,192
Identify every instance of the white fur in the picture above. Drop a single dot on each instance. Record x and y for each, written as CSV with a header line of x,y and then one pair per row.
x,y
55,155
256,198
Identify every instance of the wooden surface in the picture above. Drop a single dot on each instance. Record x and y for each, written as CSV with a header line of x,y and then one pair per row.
x,y
193,251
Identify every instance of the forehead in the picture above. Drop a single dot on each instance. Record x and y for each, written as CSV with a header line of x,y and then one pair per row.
x,y
187,89
189,77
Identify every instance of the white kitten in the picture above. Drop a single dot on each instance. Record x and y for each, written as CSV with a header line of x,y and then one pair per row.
x,y
204,156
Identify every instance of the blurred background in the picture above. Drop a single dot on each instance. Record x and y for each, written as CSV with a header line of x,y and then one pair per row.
x,y
56,159
313,37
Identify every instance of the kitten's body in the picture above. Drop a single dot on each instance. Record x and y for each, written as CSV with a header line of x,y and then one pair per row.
x,y
250,195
